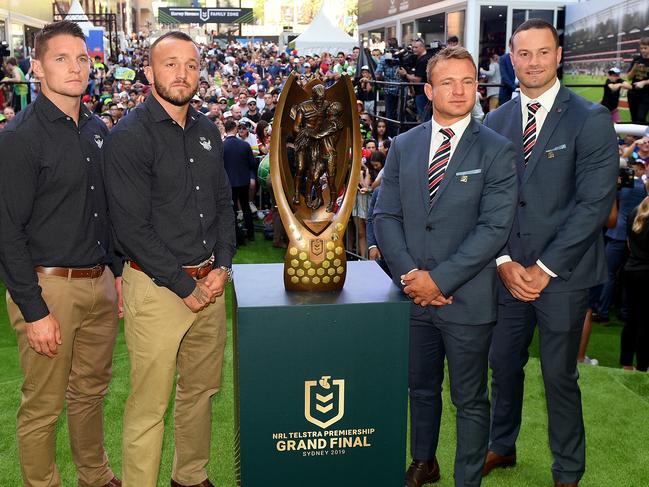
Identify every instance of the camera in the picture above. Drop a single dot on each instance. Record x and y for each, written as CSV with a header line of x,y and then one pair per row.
x,y
625,178
402,57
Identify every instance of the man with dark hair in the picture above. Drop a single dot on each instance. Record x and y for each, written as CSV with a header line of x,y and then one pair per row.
x,y
567,162
240,167
446,206
419,76
57,262
171,203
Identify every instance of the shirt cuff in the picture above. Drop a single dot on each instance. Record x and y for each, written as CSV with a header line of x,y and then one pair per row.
x,y
372,247
503,259
184,286
545,269
34,310
410,271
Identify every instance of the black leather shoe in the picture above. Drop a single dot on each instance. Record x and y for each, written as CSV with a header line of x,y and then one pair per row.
x,y
422,472
204,483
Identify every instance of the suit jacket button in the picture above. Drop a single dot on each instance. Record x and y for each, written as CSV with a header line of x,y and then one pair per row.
x,y
522,204
428,228
518,234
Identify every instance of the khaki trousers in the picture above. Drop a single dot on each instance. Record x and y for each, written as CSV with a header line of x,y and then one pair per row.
x,y
165,338
79,375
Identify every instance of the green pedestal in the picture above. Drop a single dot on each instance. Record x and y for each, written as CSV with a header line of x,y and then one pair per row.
x,y
320,380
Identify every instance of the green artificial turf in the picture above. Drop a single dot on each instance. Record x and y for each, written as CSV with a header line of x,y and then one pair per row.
x,y
616,409
593,94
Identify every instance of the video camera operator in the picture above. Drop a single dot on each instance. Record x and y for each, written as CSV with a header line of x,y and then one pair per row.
x,y
388,71
419,76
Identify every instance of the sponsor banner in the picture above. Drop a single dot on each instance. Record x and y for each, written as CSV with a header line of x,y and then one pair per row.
x,y
190,15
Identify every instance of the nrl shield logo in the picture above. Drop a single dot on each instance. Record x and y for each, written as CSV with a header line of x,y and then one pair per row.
x,y
324,401
98,140
206,143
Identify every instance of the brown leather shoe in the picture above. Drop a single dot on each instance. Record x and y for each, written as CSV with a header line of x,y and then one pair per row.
x,y
494,460
563,484
422,472
204,483
115,482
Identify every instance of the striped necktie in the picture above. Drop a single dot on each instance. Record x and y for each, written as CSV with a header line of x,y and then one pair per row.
x,y
438,165
529,135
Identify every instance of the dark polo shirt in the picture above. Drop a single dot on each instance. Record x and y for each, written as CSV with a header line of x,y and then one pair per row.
x,y
169,195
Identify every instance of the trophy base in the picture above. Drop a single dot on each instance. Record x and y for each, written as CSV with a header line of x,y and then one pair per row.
x,y
317,266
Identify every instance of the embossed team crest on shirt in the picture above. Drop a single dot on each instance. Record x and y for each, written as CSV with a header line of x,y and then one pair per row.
x,y
98,140
206,143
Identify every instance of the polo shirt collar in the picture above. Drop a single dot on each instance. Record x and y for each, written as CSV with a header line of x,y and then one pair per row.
x,y
159,114
52,112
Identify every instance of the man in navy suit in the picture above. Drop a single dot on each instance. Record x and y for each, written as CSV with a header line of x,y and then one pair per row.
x,y
567,166
507,79
446,206
240,167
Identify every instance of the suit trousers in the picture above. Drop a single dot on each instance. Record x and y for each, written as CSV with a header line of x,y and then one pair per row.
x,y
635,335
240,195
78,376
560,319
166,340
466,348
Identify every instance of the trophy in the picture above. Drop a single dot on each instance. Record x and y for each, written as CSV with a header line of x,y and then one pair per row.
x,y
315,156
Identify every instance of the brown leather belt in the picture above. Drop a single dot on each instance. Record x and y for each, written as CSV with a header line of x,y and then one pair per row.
x,y
72,273
197,272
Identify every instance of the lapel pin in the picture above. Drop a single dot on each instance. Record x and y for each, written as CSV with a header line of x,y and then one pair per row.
x,y
464,179
559,110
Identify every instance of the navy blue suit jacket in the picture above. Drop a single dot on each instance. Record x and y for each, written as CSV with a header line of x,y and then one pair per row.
x,y
566,190
456,238
239,161
507,78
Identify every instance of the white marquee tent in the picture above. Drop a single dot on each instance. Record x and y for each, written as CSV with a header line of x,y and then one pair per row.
x,y
323,35
77,15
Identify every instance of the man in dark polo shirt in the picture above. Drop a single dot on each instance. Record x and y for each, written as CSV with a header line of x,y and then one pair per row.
x,y
171,206
55,254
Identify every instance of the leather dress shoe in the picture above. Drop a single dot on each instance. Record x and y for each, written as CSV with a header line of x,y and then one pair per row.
x,y
114,482
422,472
494,460
204,483
564,484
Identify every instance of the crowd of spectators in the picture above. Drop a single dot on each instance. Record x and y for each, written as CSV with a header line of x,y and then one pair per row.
x,y
239,90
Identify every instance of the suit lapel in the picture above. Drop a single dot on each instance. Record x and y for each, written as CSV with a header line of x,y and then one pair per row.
x,y
421,155
549,126
460,153
515,134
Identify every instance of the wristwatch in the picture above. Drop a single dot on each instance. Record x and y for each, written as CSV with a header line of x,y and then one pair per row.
x,y
228,271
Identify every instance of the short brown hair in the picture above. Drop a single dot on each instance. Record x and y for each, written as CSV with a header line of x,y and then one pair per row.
x,y
172,34
454,52
644,41
64,27
535,24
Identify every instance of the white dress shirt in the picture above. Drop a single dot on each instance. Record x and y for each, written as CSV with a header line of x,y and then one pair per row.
x,y
546,100
437,137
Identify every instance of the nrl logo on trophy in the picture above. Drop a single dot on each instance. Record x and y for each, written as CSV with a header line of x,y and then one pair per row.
x,y
324,401
314,167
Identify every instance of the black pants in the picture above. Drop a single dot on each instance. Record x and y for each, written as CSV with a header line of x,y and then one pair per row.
x,y
635,334
240,194
638,105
